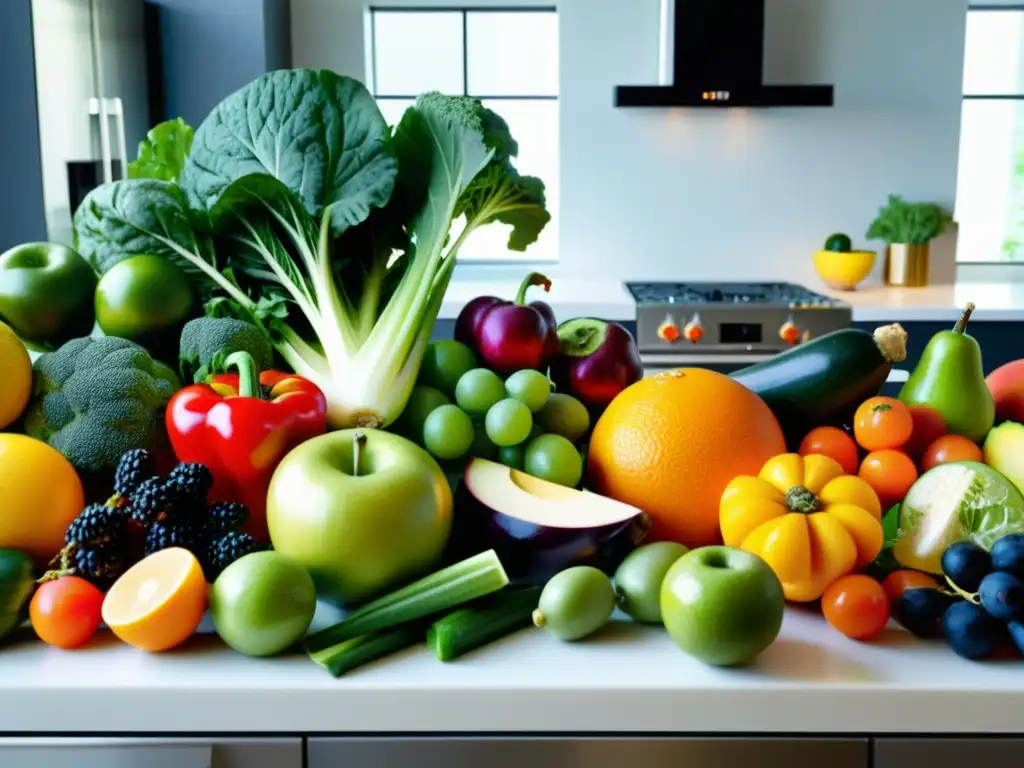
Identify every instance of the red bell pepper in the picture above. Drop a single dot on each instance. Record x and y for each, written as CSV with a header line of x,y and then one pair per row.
x,y
240,425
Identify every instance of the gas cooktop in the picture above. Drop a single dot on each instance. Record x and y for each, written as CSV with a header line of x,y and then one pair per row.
x,y
710,293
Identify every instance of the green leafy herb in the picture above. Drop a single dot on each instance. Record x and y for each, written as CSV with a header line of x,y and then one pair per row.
x,y
908,223
162,153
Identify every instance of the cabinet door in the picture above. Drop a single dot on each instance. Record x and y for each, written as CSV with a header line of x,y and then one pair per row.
x,y
150,753
587,753
992,752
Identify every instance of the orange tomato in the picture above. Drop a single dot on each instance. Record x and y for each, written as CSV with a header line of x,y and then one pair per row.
x,y
890,473
881,423
857,606
898,582
949,448
834,443
929,426
65,612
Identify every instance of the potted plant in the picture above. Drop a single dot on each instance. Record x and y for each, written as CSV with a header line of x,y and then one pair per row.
x,y
908,229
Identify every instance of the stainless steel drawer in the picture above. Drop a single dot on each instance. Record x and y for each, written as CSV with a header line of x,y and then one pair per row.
x,y
992,752
588,753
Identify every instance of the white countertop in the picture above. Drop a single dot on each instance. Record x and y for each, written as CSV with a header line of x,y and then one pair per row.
x,y
627,679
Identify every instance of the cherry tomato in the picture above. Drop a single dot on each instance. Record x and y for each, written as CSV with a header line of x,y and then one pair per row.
x,y
834,443
898,582
65,612
890,473
881,423
929,426
857,606
949,448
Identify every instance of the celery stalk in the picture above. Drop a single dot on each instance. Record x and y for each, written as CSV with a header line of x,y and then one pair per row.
x,y
440,591
482,621
350,654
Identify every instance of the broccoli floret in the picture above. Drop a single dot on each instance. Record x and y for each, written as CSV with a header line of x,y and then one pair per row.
x,y
94,399
207,341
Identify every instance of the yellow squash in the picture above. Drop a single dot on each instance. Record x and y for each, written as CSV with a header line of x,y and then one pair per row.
x,y
807,519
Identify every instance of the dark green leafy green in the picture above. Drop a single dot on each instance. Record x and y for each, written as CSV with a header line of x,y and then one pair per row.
x,y
162,153
899,221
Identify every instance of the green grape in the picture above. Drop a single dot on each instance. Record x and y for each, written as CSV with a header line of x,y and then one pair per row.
x,y
478,390
535,432
555,459
564,415
448,432
511,456
444,363
422,402
482,446
529,387
508,423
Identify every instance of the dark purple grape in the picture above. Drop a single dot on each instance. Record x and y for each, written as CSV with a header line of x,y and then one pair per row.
x,y
919,610
969,630
1008,554
966,564
1002,596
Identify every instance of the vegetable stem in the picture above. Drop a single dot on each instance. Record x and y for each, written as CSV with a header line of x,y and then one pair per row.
x,y
532,279
363,649
248,373
961,324
358,443
457,584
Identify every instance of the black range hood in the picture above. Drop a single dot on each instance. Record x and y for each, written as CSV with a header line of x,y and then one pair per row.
x,y
712,55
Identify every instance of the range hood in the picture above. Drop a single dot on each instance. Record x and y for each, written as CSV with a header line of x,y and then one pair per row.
x,y
712,55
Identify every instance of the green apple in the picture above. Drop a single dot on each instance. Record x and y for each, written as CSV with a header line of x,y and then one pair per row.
x,y
361,510
1004,451
722,605
262,603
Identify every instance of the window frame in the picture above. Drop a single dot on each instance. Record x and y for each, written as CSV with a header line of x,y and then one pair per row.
x,y
464,10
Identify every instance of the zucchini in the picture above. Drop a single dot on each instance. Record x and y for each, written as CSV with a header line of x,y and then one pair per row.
x,y
363,649
17,583
484,621
822,381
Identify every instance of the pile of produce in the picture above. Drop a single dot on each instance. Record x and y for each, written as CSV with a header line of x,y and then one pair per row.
x,y
262,423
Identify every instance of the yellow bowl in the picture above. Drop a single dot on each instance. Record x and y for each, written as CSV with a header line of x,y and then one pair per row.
x,y
843,270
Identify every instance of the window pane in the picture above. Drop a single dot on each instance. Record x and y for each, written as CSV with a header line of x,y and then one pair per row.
x,y
393,109
992,58
512,54
990,185
534,125
417,52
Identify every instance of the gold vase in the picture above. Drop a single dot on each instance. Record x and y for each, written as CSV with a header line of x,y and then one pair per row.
x,y
906,265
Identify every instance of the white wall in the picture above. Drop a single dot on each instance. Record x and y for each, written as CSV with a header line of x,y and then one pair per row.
x,y
690,194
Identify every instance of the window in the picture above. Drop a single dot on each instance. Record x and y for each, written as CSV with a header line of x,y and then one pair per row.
x,y
479,52
990,180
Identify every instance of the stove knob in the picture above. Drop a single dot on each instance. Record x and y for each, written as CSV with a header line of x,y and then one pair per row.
x,y
668,330
789,333
805,336
693,331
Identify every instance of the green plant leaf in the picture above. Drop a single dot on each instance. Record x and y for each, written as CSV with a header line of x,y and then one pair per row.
x,y
319,133
163,152
912,223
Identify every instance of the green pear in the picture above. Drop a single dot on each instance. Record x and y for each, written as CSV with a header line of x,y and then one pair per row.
x,y
950,378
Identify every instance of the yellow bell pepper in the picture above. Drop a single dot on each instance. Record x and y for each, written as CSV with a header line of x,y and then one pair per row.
x,y
807,519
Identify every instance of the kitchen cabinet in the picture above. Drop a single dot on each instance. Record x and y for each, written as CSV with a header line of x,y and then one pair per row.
x,y
948,753
589,753
149,753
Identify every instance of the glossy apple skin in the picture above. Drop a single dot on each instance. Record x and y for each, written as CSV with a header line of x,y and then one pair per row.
x,y
1006,383
360,536
722,605
596,379
467,324
532,553
514,337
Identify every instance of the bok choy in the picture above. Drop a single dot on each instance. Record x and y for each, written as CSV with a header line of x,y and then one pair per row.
x,y
299,209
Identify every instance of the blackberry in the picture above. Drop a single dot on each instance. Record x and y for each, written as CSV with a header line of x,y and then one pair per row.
x,y
95,525
101,564
166,534
189,484
231,546
151,501
134,467
224,516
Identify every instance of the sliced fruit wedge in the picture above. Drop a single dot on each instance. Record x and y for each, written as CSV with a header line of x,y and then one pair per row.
x,y
158,603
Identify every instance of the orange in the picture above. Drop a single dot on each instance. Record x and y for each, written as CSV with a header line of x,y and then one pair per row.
x,y
669,444
40,494
158,602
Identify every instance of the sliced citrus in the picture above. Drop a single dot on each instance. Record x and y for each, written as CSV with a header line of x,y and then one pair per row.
x,y
158,603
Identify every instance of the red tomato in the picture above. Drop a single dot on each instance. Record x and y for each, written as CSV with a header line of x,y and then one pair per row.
x,y
834,443
881,423
949,448
65,612
890,473
898,582
929,426
857,606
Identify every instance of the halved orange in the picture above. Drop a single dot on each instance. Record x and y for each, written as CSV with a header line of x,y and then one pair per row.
x,y
158,602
